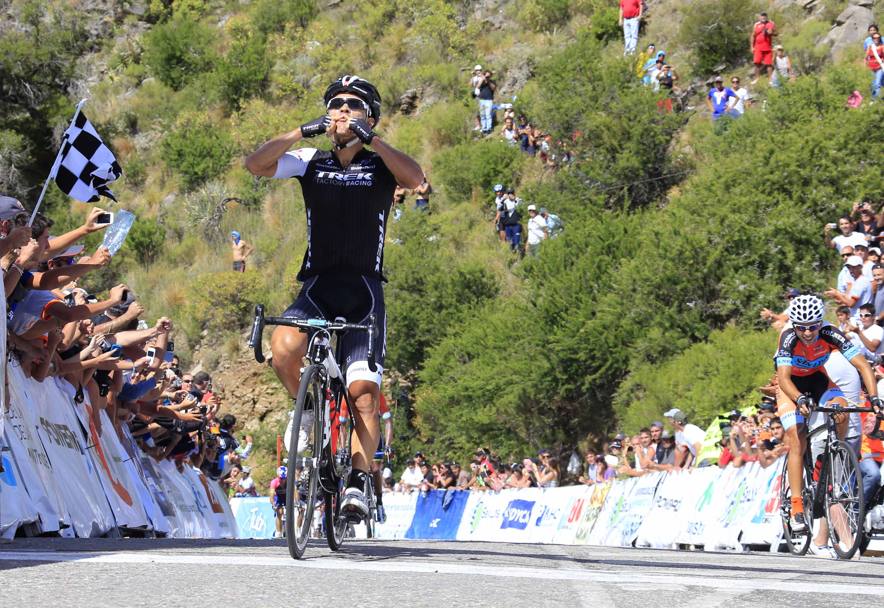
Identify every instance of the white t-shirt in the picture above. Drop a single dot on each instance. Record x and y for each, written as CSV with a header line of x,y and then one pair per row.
x,y
742,96
875,332
862,289
854,239
246,484
690,435
536,228
845,280
412,476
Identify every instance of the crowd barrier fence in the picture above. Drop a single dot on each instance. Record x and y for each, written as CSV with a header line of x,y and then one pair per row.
x,y
62,476
719,509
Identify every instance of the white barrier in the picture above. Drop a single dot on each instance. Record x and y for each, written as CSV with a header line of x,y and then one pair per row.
x,y
61,475
710,507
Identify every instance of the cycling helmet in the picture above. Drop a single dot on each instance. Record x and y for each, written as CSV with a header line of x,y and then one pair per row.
x,y
498,187
363,89
806,309
282,472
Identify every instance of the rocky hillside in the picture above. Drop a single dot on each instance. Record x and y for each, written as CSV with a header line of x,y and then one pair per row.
x,y
676,233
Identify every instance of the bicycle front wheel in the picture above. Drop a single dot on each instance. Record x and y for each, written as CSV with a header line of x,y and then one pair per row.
x,y
303,461
335,525
797,542
845,509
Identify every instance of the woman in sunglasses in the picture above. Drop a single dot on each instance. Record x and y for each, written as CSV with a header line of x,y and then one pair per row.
x,y
803,351
347,192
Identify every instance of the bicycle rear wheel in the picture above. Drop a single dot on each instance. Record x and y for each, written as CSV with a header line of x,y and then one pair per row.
x,y
303,462
797,542
845,509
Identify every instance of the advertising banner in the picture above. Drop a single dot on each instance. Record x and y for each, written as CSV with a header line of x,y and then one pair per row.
x,y
109,458
577,501
16,507
764,525
612,512
638,502
551,512
733,508
437,514
189,521
254,517
400,510
28,453
591,512
59,431
660,526
696,508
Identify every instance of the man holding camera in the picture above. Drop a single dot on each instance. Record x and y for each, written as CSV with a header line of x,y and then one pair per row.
x,y
347,192
485,94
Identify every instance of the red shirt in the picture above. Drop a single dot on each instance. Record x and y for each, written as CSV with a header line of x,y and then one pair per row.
x,y
631,8
872,63
762,35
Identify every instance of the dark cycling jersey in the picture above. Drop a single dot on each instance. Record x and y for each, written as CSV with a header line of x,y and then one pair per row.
x,y
347,210
806,359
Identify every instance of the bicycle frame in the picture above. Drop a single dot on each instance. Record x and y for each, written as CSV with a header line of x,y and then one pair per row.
x,y
333,381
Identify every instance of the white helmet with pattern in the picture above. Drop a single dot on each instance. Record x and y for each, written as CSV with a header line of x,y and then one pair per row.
x,y
806,309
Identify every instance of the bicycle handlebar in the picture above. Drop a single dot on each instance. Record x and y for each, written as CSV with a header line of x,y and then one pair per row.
x,y
843,410
307,324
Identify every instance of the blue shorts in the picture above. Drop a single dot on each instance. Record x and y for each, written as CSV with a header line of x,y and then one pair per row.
x,y
354,298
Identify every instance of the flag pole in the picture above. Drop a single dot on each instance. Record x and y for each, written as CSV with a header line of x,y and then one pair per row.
x,y
54,170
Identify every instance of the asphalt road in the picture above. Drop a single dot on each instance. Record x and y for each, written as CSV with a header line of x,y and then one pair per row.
x,y
379,574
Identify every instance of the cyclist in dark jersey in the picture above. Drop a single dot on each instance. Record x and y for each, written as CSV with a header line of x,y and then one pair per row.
x,y
803,350
347,197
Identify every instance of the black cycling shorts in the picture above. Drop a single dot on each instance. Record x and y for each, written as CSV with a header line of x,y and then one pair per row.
x,y
352,297
813,384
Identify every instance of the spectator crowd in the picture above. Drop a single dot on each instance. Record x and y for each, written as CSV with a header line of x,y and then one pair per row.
x,y
102,345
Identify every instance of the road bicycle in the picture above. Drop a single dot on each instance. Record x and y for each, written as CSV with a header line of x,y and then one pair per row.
x,y
319,456
831,488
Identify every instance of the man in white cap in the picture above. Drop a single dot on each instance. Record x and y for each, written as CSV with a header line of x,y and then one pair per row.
x,y
537,229
860,291
688,439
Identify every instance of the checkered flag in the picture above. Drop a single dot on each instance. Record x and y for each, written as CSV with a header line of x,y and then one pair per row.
x,y
87,165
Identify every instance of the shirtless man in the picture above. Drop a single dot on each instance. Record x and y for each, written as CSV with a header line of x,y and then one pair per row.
x,y
241,250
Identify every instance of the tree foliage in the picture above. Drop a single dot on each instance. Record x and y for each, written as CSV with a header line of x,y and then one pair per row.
x,y
179,50
717,32
197,149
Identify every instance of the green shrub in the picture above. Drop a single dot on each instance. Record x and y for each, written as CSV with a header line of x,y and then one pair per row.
x,y
476,166
706,379
717,33
225,301
178,50
145,240
198,149
619,137
604,24
242,72
543,15
272,16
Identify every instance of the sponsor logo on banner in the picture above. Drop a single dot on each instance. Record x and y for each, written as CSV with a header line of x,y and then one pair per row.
x,y
517,514
6,474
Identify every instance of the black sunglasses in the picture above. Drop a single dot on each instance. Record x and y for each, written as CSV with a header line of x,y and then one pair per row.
x,y
354,103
